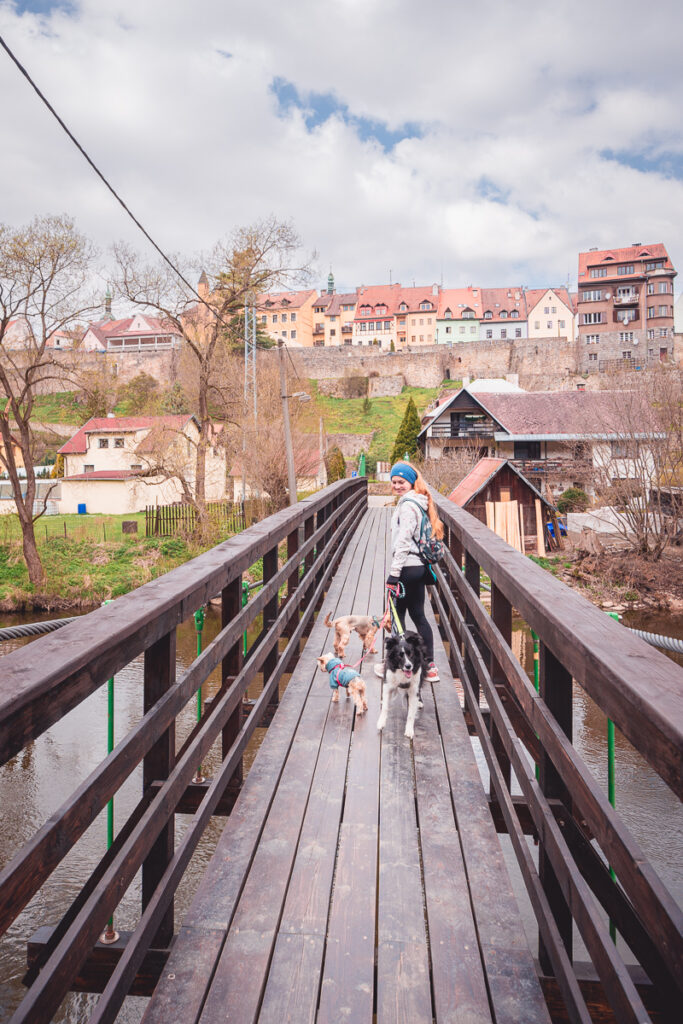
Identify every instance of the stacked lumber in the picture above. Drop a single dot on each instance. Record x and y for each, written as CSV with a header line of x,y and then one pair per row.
x,y
506,518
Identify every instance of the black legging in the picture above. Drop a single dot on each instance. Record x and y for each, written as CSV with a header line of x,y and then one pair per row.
x,y
413,579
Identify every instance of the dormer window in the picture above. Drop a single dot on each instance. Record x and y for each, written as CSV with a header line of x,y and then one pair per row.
x,y
380,310
365,310
468,314
503,314
448,315
403,307
514,314
488,315
425,305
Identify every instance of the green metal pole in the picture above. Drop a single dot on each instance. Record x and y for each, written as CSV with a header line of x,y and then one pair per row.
x,y
245,598
534,637
611,788
199,626
361,464
109,935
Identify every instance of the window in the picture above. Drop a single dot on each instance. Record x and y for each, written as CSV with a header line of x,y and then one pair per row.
x,y
274,318
284,318
380,310
553,309
650,335
488,315
650,312
365,310
625,316
597,272
88,469
663,288
412,337
592,339
425,305
363,327
448,330
663,333
292,335
624,449
333,332
429,321
503,314
546,310
371,325
549,325
473,330
264,319
650,288
403,307
627,268
489,334
118,442
655,266
387,325
402,322
592,318
292,317
283,334
333,319
626,336
515,314
412,322
537,325
503,333
591,295
593,356
663,310
626,354
518,332
527,450
421,323
136,465
422,337
103,442
560,323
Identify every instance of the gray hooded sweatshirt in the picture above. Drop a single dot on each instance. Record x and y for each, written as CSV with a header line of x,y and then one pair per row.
x,y
406,522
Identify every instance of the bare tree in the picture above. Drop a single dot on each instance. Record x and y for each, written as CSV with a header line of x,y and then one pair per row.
x,y
455,463
45,270
639,460
253,260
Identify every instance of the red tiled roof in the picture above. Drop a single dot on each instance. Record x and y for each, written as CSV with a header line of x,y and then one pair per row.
x,y
498,299
291,300
457,300
343,299
631,254
534,295
378,295
475,480
120,328
105,474
119,424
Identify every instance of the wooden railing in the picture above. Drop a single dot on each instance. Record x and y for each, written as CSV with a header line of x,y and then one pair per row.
x,y
41,683
580,836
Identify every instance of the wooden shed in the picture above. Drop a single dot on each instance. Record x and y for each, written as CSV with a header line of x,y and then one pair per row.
x,y
497,494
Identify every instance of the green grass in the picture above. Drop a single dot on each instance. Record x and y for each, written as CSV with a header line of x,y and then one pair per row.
x,y
346,416
60,407
72,527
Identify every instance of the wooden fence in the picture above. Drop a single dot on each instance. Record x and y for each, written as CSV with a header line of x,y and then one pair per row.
x,y
227,516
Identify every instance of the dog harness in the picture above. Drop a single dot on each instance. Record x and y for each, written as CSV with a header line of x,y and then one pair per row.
x,y
340,674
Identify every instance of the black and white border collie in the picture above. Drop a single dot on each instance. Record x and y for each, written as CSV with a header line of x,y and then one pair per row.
x,y
404,662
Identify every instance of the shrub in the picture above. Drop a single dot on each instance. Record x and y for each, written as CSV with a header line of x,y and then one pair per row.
x,y
573,500
336,467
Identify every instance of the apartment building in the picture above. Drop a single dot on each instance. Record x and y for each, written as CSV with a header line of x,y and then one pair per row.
x,y
375,320
550,313
288,316
504,314
626,306
459,315
333,317
416,316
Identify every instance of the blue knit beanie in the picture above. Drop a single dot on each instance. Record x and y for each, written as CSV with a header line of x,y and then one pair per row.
x,y
404,470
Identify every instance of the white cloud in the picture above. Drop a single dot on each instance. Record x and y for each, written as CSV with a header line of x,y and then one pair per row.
x,y
516,102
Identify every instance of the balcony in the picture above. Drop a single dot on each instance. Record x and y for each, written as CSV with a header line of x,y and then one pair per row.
x,y
319,329
631,299
347,329
452,430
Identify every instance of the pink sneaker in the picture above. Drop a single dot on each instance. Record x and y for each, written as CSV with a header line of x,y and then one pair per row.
x,y
432,674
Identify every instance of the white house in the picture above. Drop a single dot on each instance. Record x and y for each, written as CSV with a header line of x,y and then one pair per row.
x,y
121,464
133,334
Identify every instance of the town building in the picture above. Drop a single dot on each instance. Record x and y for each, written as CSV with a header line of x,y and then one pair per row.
x,y
625,307
133,334
550,313
416,316
459,315
121,464
503,314
556,438
333,317
375,320
287,316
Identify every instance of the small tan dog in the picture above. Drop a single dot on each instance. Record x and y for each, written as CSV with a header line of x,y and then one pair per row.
x,y
346,677
365,625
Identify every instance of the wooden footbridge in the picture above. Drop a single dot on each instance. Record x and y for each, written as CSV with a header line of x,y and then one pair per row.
x,y
358,878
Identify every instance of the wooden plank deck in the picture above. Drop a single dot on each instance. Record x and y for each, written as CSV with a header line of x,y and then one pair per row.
x,y
359,877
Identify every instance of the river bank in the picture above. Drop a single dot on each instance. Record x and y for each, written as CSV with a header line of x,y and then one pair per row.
x,y
622,580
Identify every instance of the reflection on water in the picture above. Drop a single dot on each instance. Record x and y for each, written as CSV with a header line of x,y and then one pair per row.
x,y
39,779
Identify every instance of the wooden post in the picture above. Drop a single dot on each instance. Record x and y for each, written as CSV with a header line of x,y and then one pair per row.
x,y
555,688
158,676
540,533
456,549
501,614
269,616
309,528
231,605
472,572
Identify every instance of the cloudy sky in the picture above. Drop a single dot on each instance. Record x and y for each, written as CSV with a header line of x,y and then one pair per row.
x,y
474,141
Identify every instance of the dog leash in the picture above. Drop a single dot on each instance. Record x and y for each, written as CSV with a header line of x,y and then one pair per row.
x,y
381,624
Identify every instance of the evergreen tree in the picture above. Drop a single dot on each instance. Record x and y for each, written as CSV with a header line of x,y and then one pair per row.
x,y
336,467
406,438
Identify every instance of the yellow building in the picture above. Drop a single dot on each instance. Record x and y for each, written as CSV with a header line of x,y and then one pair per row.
x,y
287,316
333,317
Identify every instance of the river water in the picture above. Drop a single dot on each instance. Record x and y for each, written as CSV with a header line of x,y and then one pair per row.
x,y
35,783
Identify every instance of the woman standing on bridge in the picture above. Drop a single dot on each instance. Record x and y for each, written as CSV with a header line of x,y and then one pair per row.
x,y
407,567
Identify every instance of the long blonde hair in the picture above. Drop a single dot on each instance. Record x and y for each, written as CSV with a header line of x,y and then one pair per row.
x,y
420,487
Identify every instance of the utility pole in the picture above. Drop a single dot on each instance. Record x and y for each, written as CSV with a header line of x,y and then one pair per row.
x,y
249,384
291,475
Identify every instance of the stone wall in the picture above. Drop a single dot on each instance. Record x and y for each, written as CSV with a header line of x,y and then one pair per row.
x,y
383,387
163,366
350,445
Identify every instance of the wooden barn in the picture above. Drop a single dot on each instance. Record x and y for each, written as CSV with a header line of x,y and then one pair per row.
x,y
497,494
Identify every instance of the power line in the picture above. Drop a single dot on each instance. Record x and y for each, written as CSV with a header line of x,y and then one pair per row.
x,y
101,176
